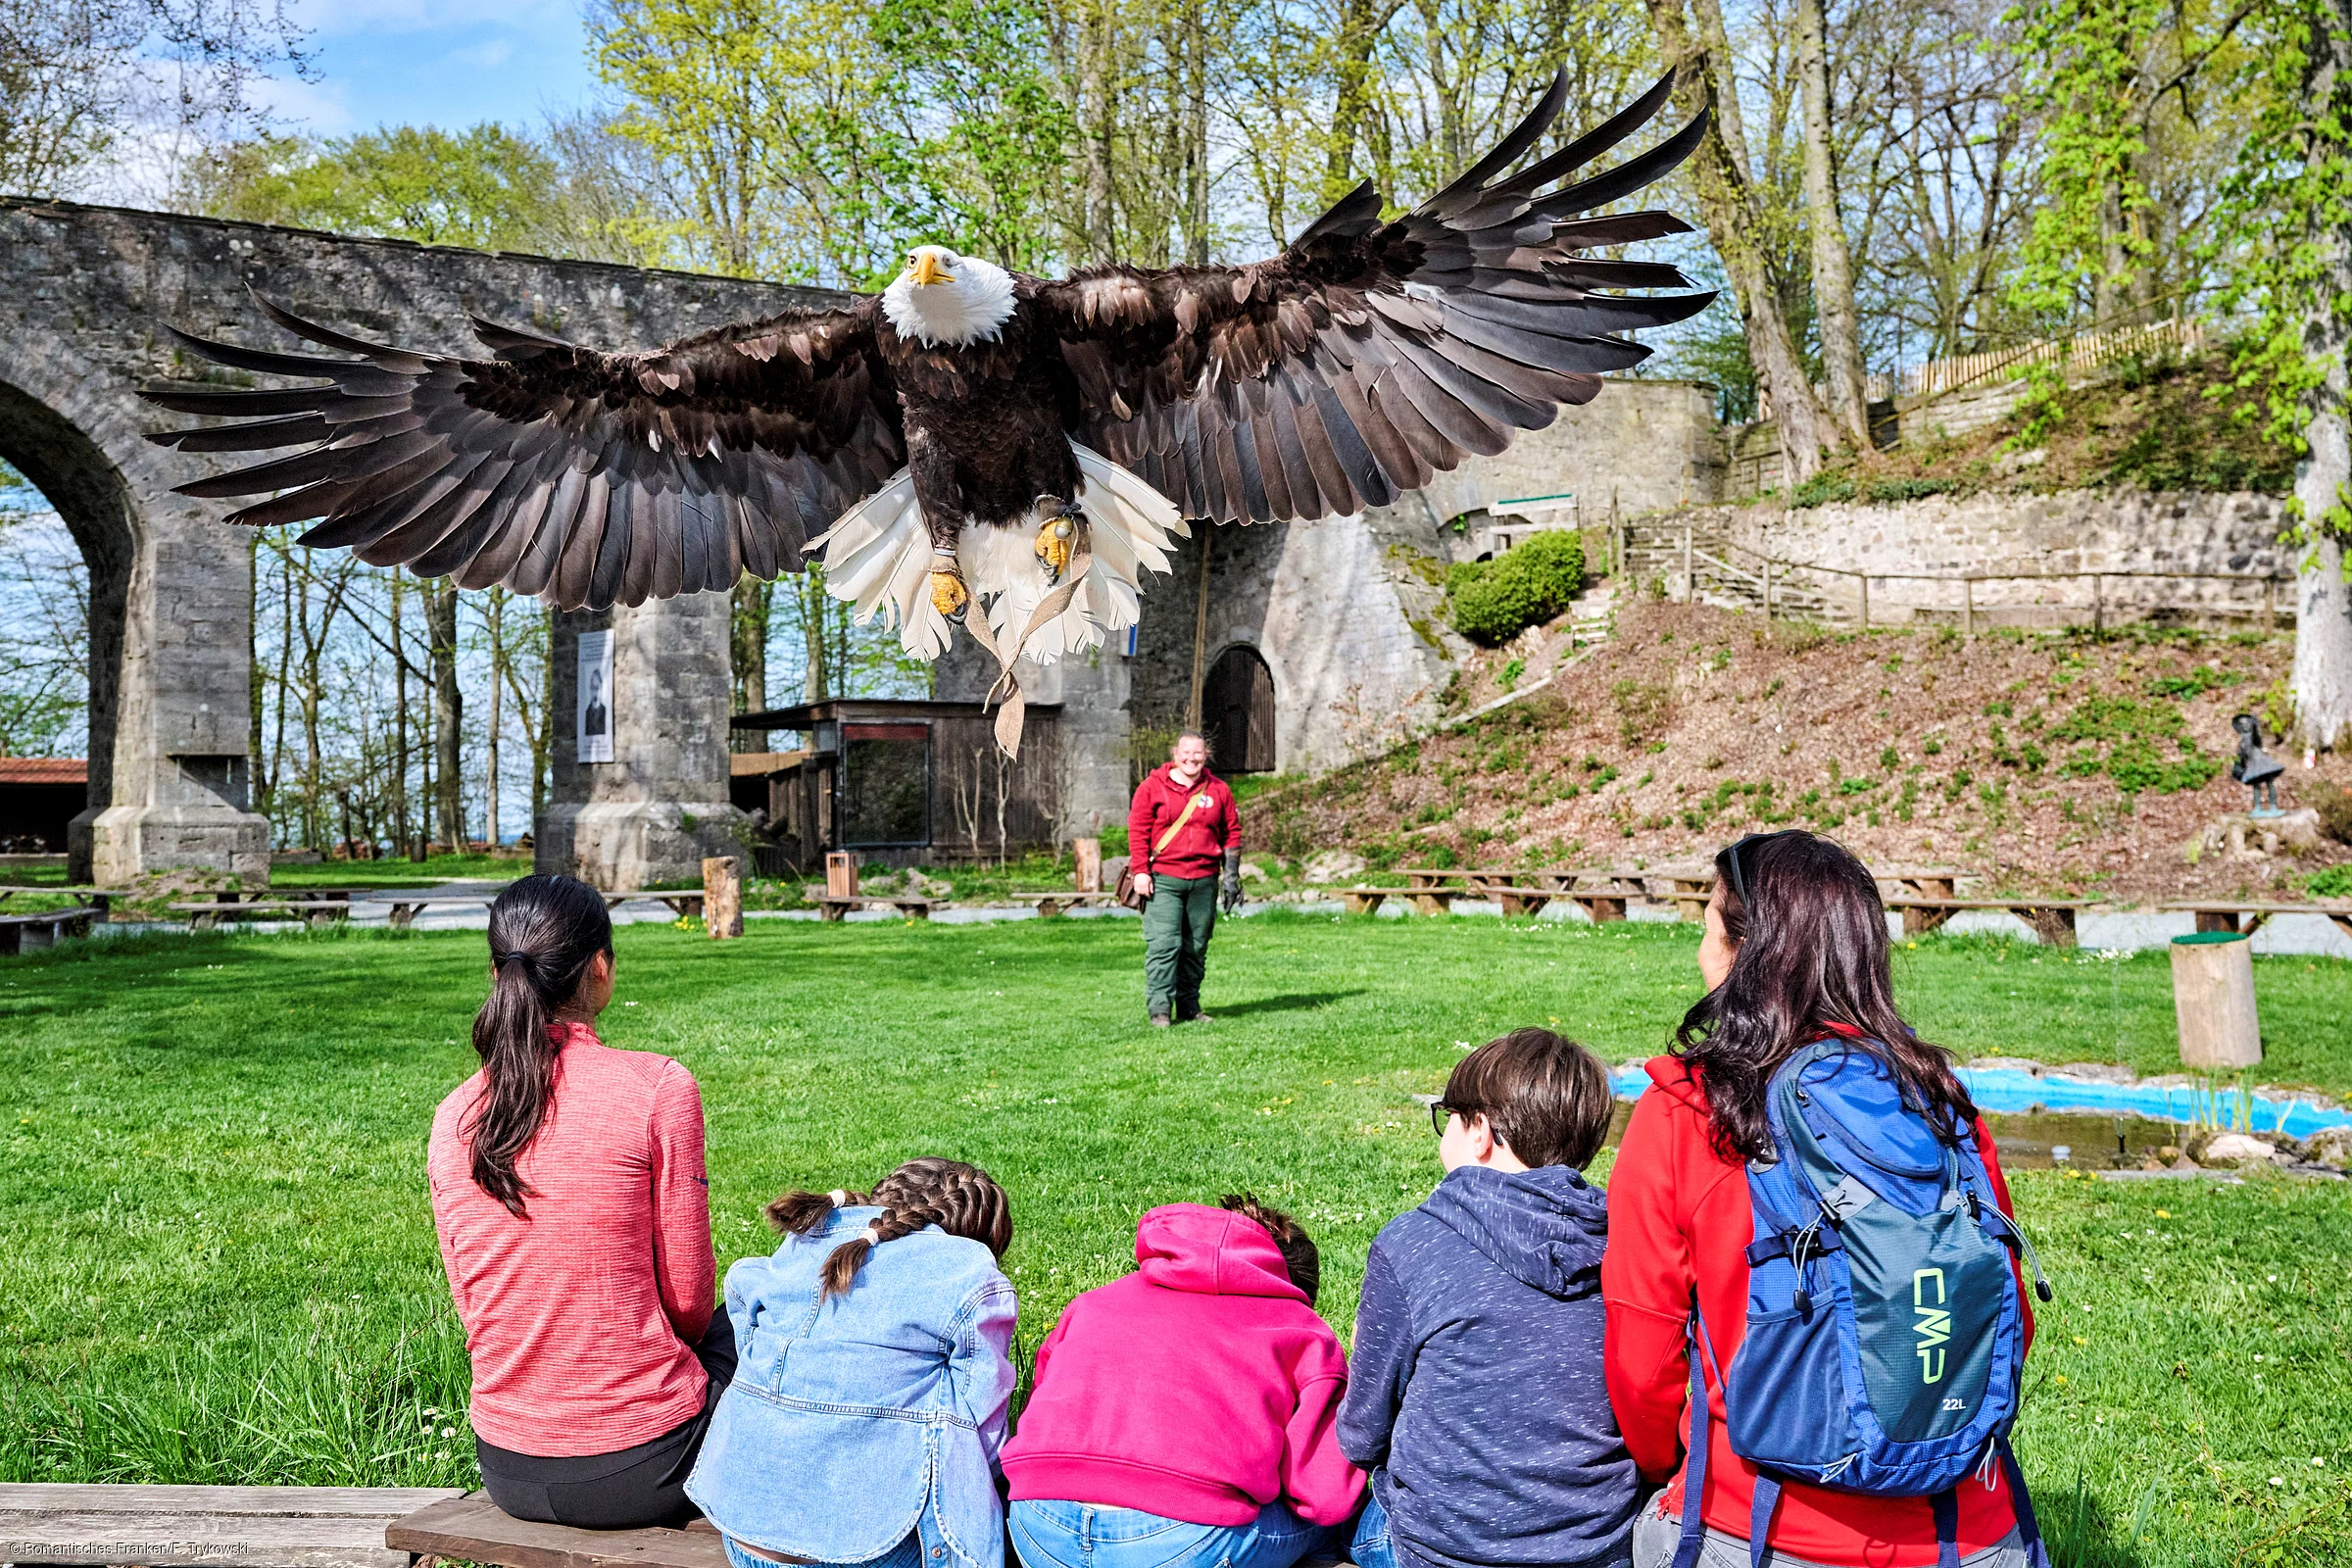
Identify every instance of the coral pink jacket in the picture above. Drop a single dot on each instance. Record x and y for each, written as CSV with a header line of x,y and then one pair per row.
x,y
579,1319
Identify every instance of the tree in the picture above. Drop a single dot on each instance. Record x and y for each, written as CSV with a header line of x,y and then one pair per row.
x,y
1832,265
1721,180
485,187
80,77
2288,207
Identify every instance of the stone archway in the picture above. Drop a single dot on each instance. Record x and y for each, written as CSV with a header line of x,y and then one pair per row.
x,y
1236,710
85,294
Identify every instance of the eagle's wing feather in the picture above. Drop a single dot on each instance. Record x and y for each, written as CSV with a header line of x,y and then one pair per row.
x,y
583,477
1369,355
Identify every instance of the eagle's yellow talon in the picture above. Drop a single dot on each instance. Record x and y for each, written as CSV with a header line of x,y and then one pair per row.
x,y
948,596
1055,544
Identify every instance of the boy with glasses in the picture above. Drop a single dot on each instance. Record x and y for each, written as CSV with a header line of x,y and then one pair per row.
x,y
1476,1396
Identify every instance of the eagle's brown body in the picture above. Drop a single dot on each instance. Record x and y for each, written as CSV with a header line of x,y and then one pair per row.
x,y
987,425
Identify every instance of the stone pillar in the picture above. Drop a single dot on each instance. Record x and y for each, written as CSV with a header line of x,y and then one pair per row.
x,y
1092,731
650,816
170,645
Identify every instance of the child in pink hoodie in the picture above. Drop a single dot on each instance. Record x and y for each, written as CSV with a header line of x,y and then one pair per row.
x,y
1183,1416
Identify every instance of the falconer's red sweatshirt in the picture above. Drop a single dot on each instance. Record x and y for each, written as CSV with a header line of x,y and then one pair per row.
x,y
1198,846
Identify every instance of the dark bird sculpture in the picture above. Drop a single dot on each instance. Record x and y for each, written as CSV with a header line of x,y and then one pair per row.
x,y
972,431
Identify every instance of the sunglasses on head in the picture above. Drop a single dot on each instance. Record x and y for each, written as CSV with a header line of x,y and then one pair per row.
x,y
1739,876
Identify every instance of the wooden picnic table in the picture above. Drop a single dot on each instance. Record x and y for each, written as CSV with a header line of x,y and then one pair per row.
x,y
100,899
2052,919
913,906
1517,902
1426,899
1052,905
45,928
1921,881
2249,915
407,906
683,901
204,915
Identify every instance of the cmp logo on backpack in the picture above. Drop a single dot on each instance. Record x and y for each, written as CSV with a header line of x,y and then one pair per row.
x,y
1934,1327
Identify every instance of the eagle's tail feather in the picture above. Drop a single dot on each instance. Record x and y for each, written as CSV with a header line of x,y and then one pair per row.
x,y
878,556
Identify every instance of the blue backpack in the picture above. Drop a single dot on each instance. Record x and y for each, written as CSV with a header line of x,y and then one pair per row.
x,y
1886,1332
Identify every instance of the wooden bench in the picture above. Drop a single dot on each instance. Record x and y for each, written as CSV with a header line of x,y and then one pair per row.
x,y
684,903
1920,881
405,909
1426,899
472,1529
1051,905
1517,902
44,928
216,1527
914,906
2247,915
2051,919
1603,895
311,911
100,899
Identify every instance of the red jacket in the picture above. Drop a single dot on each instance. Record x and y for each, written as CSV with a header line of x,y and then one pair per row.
x,y
581,1320
1201,1388
1679,1223
1200,846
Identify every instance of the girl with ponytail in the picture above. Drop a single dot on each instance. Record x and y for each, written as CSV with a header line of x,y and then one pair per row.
x,y
876,1376
575,1218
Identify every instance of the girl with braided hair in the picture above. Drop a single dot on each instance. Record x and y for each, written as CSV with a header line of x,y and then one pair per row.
x,y
864,1421
1185,1416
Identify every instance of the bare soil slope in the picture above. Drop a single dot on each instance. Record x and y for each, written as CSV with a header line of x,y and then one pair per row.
x,y
2049,763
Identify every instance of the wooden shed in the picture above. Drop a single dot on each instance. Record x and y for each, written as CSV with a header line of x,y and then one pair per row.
x,y
39,797
903,782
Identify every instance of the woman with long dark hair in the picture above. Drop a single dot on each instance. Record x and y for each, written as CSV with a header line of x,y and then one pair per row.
x,y
575,1218
1796,952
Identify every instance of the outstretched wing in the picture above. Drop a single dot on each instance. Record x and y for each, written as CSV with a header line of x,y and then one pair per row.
x,y
1370,353
585,478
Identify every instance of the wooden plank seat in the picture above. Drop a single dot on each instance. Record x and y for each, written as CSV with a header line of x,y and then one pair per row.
x,y
470,1528
1426,899
2052,919
216,1527
242,895
1051,904
2249,915
1604,894
100,899
405,910
683,901
204,917
44,928
913,906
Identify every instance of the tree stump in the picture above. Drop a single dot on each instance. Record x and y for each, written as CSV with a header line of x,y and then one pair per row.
x,y
1088,853
723,897
2213,998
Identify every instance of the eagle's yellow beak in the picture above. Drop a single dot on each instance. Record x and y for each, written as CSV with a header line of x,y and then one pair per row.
x,y
927,270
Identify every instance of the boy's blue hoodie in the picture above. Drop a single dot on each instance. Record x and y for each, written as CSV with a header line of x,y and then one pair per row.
x,y
1476,1395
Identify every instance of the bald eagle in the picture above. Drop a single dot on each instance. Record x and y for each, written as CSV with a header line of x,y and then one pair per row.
x,y
972,432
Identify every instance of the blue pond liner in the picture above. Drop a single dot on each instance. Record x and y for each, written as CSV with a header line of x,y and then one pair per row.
x,y
2009,1090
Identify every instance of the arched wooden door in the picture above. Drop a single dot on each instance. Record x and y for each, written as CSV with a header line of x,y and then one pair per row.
x,y
1236,709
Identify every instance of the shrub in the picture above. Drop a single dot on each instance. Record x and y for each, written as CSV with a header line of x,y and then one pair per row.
x,y
1494,600
1820,490
2333,883
2335,807
1889,490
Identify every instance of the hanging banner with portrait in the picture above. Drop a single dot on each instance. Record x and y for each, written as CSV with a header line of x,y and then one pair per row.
x,y
595,728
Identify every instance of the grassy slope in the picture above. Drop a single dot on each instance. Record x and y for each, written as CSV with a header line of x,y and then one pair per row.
x,y
212,1154
2012,755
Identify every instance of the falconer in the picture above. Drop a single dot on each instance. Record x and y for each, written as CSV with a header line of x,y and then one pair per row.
x,y
1182,830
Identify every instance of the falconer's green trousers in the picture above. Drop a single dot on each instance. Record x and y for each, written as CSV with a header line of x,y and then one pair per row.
x,y
1179,918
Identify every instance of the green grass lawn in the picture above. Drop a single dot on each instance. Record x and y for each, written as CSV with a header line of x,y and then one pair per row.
x,y
221,1264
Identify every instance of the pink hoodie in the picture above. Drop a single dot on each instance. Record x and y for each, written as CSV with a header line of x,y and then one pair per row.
x,y
1201,1388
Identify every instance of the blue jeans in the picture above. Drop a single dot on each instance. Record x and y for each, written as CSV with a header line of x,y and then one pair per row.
x,y
1372,1549
1085,1535
907,1553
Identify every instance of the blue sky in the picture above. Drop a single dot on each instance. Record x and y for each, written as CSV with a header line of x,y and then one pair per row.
x,y
448,63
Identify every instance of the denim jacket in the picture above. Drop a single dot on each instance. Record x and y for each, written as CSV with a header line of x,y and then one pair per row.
x,y
855,1420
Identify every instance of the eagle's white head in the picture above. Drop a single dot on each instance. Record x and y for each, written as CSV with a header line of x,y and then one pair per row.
x,y
942,298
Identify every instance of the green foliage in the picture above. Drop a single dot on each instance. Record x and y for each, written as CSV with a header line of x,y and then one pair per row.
x,y
1892,490
2335,882
2083,67
2148,747
2042,408
487,187
1822,489
1643,708
1493,601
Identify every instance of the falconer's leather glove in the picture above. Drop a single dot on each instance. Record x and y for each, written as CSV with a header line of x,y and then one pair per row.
x,y
1229,885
